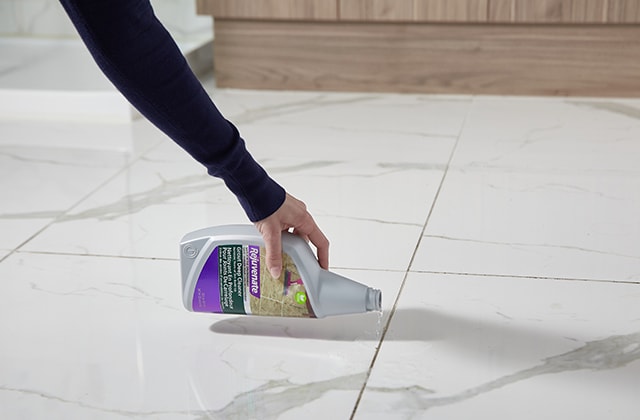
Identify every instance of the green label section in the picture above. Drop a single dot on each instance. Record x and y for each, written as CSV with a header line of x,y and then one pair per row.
x,y
231,274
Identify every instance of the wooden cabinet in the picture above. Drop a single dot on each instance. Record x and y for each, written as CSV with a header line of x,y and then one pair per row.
x,y
533,47
270,9
565,11
414,10
451,10
376,10
623,11
558,11
499,11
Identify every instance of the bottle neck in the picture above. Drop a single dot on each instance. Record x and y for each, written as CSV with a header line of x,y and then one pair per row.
x,y
374,300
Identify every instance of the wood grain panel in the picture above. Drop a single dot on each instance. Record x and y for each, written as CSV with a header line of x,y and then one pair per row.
x,y
377,10
270,9
501,10
588,11
576,60
451,10
543,11
623,11
560,11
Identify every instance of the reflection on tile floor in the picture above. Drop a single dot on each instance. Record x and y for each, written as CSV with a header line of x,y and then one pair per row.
x,y
498,347
504,233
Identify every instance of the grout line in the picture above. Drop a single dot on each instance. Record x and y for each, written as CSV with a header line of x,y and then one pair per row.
x,y
62,213
73,254
522,276
379,270
385,328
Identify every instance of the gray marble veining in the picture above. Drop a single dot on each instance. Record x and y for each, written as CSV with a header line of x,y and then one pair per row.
x,y
299,167
253,115
65,161
276,397
84,407
555,186
128,204
609,353
371,220
412,166
534,245
113,289
615,107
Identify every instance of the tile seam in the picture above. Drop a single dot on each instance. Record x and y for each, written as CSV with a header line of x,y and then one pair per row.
x,y
523,276
73,254
385,328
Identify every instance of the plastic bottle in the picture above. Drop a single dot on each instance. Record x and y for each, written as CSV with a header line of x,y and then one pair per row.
x,y
224,271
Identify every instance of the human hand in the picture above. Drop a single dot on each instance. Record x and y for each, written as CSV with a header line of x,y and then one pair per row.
x,y
291,214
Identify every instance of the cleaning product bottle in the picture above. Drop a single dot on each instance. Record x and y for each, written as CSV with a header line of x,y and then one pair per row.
x,y
224,271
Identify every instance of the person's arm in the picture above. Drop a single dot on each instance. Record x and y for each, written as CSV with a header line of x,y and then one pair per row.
x,y
138,55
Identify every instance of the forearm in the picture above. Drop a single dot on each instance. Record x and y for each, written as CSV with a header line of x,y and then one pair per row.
x,y
141,59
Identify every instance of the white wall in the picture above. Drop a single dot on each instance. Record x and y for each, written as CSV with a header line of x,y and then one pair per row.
x,y
36,85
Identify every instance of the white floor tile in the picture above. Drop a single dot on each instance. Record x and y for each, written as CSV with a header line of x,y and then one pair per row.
x,y
363,188
39,184
108,338
386,114
390,115
46,168
482,347
541,188
552,225
114,137
537,190
144,211
538,135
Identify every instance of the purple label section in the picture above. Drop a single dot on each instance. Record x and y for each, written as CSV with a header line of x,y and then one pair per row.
x,y
254,270
206,296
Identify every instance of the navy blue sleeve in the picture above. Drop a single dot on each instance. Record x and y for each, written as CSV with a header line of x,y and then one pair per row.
x,y
138,55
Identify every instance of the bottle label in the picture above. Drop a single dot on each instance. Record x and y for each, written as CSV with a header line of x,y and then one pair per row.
x,y
235,280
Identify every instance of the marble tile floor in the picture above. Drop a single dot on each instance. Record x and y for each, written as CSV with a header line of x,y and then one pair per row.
x,y
504,233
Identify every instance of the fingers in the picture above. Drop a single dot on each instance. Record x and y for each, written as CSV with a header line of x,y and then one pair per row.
x,y
273,244
310,231
307,228
293,213
322,246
